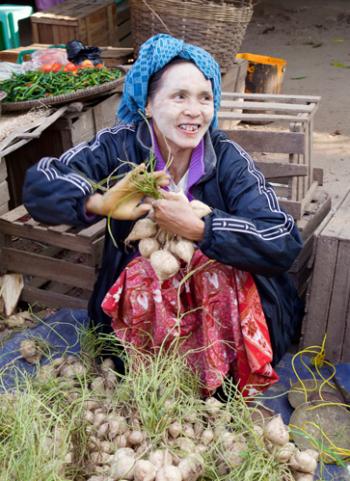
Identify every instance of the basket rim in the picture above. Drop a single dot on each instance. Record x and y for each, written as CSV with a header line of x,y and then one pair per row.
x,y
81,94
228,12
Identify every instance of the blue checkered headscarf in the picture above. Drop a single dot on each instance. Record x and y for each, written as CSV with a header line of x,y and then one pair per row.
x,y
154,54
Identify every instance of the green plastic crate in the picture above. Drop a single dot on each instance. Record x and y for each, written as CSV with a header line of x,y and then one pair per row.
x,y
10,15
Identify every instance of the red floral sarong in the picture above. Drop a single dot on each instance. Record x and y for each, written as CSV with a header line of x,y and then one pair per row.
x,y
223,324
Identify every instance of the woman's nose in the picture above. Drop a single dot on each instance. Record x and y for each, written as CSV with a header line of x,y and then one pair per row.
x,y
192,108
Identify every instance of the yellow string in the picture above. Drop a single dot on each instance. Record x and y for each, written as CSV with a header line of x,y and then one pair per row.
x,y
318,360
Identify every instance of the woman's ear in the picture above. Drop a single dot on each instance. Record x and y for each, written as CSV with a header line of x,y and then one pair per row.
x,y
148,110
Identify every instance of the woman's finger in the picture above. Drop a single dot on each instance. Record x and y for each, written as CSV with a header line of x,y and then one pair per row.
x,y
140,211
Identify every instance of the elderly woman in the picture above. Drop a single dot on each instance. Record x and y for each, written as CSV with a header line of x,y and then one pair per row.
x,y
237,311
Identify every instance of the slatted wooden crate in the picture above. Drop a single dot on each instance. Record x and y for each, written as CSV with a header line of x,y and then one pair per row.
x,y
328,300
294,114
59,263
112,56
124,34
80,123
280,172
93,22
309,212
4,190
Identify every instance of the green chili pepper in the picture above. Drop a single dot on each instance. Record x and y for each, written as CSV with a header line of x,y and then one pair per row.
x,y
36,84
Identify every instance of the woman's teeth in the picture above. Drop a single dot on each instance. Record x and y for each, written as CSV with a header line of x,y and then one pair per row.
x,y
189,127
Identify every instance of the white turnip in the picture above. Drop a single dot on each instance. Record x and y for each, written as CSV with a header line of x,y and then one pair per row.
x,y
276,431
169,473
164,264
144,470
142,229
123,468
29,351
191,467
199,208
148,246
304,462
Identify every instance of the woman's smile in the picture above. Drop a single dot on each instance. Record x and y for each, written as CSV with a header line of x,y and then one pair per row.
x,y
190,129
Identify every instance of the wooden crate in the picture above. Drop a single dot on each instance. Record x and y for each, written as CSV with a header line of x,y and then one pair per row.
x,y
280,172
294,112
59,263
4,190
80,123
124,34
315,212
328,299
93,22
309,212
112,56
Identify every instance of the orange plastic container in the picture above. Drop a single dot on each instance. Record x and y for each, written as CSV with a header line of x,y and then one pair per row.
x,y
264,74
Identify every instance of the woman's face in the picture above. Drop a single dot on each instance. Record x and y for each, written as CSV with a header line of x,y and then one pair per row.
x,y
182,108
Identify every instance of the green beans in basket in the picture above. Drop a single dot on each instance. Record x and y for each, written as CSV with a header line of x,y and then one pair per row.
x,y
36,85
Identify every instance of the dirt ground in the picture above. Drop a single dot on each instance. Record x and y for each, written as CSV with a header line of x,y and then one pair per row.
x,y
314,37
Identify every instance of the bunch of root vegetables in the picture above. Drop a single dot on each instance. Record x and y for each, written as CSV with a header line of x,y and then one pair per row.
x,y
80,420
165,251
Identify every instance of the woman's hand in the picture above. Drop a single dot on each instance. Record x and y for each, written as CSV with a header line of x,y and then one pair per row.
x,y
123,200
175,215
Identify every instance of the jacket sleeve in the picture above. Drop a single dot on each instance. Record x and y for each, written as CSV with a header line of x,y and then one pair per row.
x,y
55,190
253,233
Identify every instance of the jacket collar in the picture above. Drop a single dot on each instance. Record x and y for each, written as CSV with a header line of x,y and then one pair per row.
x,y
144,144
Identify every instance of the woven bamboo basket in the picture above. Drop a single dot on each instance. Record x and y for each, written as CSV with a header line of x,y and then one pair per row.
x,y
217,26
2,97
79,95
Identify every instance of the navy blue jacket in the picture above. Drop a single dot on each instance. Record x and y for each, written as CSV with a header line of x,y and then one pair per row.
x,y
246,228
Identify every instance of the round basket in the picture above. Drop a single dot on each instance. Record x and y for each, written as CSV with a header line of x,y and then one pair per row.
x,y
217,26
85,94
2,96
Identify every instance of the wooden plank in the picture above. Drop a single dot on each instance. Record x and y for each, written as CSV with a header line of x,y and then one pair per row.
x,y
317,309
304,255
280,97
83,128
4,192
15,214
76,275
281,191
35,32
345,356
123,30
264,106
59,228
292,207
64,240
275,170
94,230
317,174
47,298
338,226
308,196
259,117
3,170
339,303
309,222
104,112
4,208
36,129
267,141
